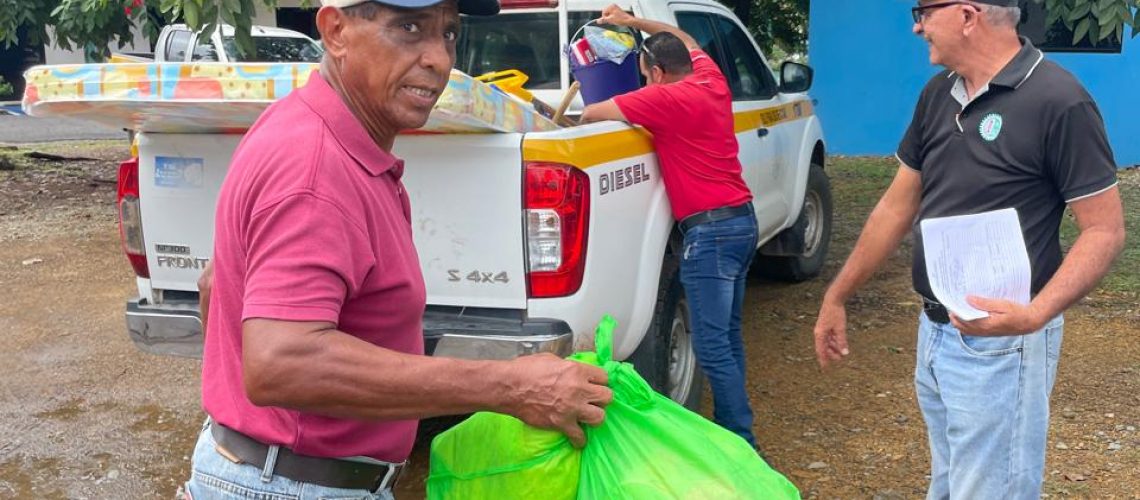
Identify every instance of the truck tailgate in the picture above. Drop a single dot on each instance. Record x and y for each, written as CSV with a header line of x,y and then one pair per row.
x,y
179,179
467,217
465,190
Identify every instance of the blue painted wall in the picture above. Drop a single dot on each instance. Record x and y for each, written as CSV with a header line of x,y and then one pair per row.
x,y
870,68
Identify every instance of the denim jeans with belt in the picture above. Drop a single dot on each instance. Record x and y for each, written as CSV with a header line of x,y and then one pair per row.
x,y
714,267
985,401
214,477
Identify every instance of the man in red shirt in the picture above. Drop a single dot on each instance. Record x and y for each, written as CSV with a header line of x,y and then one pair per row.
x,y
313,373
687,106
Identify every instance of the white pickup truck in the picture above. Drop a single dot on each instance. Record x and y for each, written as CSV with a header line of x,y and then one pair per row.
x,y
178,43
526,240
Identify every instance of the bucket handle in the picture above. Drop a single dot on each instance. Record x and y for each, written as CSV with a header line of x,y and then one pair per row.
x,y
595,22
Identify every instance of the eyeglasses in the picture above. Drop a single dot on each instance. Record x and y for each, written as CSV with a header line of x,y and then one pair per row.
x,y
921,12
645,49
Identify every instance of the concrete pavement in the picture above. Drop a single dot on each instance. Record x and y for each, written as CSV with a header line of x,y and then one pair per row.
x,y
17,129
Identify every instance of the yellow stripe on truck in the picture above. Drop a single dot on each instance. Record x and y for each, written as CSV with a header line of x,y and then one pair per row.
x,y
770,117
589,151
594,150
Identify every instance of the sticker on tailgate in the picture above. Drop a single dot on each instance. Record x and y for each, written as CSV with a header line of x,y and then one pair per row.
x,y
178,173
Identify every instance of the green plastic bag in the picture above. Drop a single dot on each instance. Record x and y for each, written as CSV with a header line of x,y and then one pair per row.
x,y
650,447
494,456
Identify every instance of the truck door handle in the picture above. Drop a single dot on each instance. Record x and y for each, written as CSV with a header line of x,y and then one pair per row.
x,y
761,132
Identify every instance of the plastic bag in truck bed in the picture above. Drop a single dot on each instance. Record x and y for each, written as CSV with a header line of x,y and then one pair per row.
x,y
470,106
648,448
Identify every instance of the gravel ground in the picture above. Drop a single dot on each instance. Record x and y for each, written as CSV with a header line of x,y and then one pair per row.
x,y
86,415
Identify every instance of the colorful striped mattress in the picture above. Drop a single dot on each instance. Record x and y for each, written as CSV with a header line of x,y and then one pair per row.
x,y
228,98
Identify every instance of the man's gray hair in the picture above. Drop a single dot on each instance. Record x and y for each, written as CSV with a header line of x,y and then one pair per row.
x,y
1006,17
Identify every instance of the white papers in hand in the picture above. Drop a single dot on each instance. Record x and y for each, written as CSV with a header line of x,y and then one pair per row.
x,y
981,254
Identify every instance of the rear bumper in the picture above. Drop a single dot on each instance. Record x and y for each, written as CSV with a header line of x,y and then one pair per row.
x,y
470,333
167,329
466,333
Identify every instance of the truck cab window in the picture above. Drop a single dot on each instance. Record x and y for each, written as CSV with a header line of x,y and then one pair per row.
x,y
177,46
753,78
527,42
697,25
275,49
204,50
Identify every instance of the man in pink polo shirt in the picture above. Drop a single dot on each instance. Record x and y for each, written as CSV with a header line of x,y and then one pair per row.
x,y
313,373
687,106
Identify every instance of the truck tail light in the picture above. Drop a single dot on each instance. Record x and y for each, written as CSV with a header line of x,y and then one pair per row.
x,y
130,217
557,226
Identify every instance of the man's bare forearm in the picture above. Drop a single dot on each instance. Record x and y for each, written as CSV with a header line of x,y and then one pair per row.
x,y
333,373
1088,261
1100,242
888,224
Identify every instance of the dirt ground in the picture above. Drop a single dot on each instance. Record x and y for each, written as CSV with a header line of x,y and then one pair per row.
x,y
86,415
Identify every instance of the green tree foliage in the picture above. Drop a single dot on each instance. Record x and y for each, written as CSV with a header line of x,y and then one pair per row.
x,y
777,25
1096,20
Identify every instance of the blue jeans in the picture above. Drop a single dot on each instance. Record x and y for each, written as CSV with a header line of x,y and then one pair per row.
x,y
986,405
714,268
214,477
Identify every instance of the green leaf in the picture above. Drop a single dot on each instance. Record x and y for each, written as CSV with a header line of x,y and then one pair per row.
x,y
1081,30
1052,17
191,13
244,42
228,15
1081,10
1104,33
1106,20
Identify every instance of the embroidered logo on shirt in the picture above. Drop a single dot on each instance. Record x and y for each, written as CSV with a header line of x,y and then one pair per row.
x,y
990,127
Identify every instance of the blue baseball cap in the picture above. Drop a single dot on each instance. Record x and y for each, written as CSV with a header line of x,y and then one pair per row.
x,y
470,7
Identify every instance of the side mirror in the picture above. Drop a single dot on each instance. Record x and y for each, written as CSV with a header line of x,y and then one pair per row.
x,y
795,78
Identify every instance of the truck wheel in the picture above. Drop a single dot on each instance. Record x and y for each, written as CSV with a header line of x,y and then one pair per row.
x,y
665,357
814,224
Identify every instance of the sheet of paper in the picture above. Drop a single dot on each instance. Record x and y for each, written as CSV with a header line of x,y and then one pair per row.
x,y
981,254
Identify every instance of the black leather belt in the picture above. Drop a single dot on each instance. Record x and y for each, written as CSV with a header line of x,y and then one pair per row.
x,y
716,214
935,311
329,472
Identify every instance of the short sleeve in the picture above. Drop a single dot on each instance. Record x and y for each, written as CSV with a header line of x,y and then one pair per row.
x,y
305,257
703,65
911,148
644,106
1078,156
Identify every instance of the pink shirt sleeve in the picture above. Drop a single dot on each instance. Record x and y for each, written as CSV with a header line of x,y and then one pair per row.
x,y
305,257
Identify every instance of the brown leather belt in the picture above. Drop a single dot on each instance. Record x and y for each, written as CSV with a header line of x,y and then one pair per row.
x,y
714,215
329,472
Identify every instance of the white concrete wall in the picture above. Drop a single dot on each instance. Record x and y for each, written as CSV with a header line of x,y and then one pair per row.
x,y
54,54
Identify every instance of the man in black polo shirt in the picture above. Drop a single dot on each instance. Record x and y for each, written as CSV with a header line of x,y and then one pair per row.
x,y
1001,128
